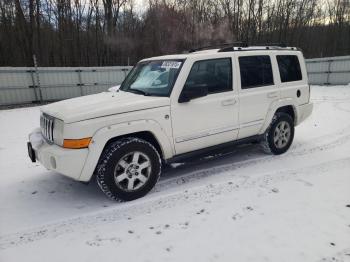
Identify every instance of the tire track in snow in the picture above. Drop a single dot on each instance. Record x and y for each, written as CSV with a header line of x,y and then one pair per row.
x,y
217,170
159,202
156,201
337,138
341,256
340,108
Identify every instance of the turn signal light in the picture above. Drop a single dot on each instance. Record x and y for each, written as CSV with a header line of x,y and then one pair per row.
x,y
76,143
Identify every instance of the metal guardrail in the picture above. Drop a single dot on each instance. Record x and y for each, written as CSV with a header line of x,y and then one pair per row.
x,y
29,85
329,70
20,85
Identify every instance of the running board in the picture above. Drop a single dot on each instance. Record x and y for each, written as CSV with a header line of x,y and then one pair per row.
x,y
246,140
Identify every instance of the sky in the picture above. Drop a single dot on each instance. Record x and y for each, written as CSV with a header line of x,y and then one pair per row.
x,y
140,5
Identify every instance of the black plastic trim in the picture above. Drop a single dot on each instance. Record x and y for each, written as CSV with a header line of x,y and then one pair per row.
x,y
246,140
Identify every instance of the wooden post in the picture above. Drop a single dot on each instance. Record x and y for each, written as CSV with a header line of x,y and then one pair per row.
x,y
37,78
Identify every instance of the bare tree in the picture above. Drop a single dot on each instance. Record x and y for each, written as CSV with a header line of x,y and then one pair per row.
x,y
111,32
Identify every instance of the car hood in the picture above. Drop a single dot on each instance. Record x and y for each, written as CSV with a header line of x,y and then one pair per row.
x,y
102,104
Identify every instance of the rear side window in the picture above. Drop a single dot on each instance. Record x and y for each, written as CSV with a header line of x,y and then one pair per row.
x,y
214,73
255,71
289,68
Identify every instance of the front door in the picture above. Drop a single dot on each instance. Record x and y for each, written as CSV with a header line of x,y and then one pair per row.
x,y
208,120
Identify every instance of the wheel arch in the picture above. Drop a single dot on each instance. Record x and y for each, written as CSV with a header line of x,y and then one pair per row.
x,y
288,109
286,106
144,135
148,130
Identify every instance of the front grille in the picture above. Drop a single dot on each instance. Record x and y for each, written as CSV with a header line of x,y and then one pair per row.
x,y
46,125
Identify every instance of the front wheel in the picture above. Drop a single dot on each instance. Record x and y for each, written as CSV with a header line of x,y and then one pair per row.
x,y
279,136
128,169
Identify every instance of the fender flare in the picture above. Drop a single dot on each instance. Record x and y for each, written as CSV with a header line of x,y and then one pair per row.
x,y
103,135
272,110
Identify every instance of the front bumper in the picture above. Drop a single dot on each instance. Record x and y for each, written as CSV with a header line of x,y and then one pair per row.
x,y
69,162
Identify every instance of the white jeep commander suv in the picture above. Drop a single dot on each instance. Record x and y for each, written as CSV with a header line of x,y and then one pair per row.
x,y
169,107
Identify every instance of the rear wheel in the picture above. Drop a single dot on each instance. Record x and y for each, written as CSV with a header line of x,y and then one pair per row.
x,y
280,134
128,169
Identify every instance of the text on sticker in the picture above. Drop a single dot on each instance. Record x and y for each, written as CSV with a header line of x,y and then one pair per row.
x,y
171,64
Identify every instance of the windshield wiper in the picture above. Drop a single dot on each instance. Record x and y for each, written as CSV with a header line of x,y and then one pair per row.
x,y
133,90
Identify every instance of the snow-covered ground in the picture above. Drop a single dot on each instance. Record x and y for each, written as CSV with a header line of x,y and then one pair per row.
x,y
241,206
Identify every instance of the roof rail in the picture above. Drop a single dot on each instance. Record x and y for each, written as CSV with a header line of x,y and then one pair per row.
x,y
233,44
269,46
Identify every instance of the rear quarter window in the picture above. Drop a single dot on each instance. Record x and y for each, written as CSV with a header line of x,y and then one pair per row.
x,y
255,71
289,68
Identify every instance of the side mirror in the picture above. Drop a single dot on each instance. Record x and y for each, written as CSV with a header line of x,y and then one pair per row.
x,y
190,92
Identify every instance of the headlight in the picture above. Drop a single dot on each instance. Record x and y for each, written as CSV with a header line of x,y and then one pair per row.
x,y
58,132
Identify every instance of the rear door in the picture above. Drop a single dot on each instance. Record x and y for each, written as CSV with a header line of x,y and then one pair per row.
x,y
257,91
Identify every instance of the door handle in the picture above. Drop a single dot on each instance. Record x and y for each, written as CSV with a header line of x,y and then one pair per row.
x,y
228,102
272,94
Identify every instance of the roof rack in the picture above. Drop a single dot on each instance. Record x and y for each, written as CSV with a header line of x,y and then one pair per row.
x,y
233,44
269,46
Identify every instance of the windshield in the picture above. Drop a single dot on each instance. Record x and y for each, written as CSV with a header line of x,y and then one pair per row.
x,y
152,77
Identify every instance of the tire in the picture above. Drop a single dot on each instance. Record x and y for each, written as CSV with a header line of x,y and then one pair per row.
x,y
128,169
275,141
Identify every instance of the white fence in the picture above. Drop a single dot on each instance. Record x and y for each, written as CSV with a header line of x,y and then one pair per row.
x,y
19,85
329,70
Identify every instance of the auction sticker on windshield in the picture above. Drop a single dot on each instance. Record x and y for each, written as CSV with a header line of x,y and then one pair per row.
x,y
171,64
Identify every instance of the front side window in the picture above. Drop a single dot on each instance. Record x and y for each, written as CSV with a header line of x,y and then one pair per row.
x,y
216,74
255,71
154,78
289,68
